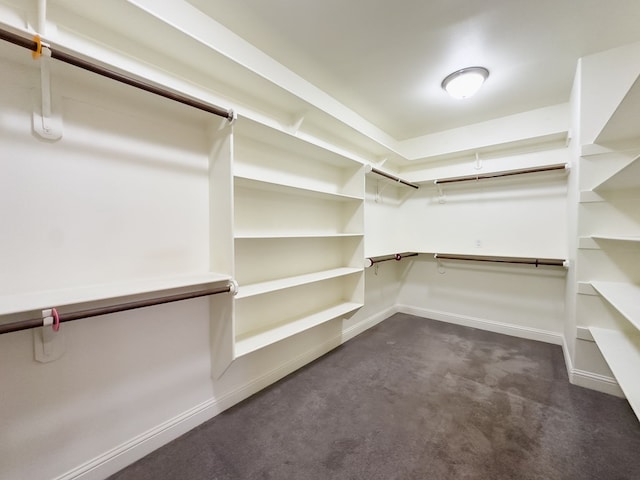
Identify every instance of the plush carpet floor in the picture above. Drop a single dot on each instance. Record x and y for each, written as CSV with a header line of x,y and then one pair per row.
x,y
414,399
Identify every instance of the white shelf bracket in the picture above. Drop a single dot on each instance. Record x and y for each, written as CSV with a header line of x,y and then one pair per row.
x,y
478,164
379,190
441,197
47,123
297,122
439,265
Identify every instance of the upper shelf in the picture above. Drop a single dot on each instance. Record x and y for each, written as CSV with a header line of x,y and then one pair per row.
x,y
624,124
294,142
32,301
624,297
618,238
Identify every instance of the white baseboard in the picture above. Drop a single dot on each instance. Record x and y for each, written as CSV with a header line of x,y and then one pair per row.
x,y
484,324
594,381
367,323
127,453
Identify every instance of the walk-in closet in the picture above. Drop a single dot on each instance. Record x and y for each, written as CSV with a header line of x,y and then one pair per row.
x,y
261,239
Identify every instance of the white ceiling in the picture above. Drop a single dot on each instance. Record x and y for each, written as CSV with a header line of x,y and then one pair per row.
x,y
386,59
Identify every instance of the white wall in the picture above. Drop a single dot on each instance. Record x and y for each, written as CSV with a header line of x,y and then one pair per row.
x,y
522,216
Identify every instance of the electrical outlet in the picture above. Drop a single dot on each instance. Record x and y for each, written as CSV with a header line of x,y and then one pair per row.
x,y
478,243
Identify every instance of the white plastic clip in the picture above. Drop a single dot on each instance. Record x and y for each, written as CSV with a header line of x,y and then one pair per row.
x,y
439,265
47,317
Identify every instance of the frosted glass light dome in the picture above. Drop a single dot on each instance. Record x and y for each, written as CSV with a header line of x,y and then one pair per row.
x,y
466,82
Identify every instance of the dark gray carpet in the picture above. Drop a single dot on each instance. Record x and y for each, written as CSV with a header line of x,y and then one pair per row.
x,y
414,399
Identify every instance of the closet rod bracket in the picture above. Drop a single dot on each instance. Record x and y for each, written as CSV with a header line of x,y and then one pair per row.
x,y
46,119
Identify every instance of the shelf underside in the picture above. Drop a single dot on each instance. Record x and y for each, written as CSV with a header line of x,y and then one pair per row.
x,y
296,190
626,178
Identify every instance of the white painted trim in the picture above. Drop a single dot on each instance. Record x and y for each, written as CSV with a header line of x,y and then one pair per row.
x,y
367,323
546,336
134,449
594,381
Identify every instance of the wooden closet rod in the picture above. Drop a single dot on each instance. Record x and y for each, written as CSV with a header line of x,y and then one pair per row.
x,y
35,45
393,177
121,307
468,178
396,256
554,262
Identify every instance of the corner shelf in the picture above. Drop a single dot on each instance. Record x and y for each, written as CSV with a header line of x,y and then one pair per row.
x,y
253,341
622,353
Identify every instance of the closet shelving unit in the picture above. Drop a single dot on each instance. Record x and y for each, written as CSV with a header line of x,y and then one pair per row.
x,y
621,346
618,237
298,235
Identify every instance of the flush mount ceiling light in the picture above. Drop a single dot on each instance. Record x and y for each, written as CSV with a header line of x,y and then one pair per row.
x,y
466,82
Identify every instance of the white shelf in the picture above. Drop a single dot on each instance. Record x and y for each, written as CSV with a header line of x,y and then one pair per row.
x,y
624,179
288,189
252,342
625,297
622,353
267,236
31,301
618,238
295,141
283,283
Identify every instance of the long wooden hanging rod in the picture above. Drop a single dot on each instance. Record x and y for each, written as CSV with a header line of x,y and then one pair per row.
x,y
37,46
554,262
377,171
507,173
385,258
121,307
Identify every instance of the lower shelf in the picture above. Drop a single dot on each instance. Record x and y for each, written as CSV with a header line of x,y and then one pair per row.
x,y
622,353
257,340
